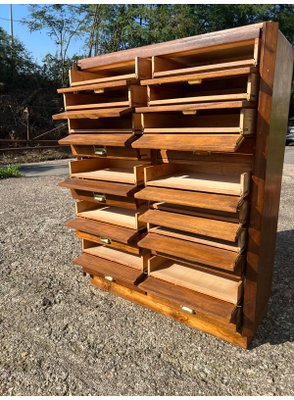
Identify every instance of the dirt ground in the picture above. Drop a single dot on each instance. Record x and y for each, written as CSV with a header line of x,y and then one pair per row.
x,y
60,336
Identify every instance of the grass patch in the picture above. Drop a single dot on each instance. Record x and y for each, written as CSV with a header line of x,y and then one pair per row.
x,y
10,171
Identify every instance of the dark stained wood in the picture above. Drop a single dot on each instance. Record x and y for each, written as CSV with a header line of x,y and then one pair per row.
x,y
202,304
275,84
119,189
207,255
194,42
115,232
107,139
102,267
207,201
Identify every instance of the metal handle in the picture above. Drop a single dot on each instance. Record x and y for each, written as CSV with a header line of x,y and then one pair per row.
x,y
105,240
187,309
109,278
99,197
100,151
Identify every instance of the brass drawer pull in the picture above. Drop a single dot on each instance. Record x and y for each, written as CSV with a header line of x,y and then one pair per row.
x,y
99,197
105,240
187,309
109,278
100,151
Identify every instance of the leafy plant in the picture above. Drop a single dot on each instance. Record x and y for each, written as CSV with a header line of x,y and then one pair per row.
x,y
9,171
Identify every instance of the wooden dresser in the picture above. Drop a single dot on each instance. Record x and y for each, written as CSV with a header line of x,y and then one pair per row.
x,y
179,153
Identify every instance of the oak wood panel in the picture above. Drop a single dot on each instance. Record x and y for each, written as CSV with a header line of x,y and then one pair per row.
x,y
114,188
199,281
108,139
276,68
200,226
207,255
98,228
200,76
190,142
112,243
101,86
93,114
220,38
206,201
102,267
109,200
120,257
201,303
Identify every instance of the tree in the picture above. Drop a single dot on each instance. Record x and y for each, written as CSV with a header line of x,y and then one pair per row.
x,y
63,23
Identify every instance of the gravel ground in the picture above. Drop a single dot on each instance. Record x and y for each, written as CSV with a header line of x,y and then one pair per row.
x,y
60,336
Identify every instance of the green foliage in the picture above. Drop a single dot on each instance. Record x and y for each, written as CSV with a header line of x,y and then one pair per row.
x,y
10,171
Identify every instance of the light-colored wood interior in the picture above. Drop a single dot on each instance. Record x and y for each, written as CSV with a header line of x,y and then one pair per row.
x,y
109,174
121,257
200,182
202,282
112,215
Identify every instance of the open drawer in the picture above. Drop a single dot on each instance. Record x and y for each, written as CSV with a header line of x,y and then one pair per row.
x,y
135,261
104,145
127,96
104,233
109,215
120,171
107,199
191,251
94,113
131,70
233,55
201,178
127,124
232,207
206,230
236,121
110,270
100,189
226,288
224,89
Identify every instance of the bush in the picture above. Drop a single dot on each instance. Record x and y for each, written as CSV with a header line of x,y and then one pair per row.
x,y
10,171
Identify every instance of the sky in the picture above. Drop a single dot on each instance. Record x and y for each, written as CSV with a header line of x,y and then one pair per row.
x,y
37,43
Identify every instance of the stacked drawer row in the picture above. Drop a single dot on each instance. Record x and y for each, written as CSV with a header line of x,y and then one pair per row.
x,y
100,109
197,120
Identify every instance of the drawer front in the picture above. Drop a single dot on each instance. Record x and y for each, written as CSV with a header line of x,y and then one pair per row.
x,y
109,270
192,251
119,153
107,199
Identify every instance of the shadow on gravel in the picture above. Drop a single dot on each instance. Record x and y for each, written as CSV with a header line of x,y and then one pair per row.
x,y
278,326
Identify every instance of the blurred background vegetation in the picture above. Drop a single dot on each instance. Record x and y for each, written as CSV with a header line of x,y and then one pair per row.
x,y
104,28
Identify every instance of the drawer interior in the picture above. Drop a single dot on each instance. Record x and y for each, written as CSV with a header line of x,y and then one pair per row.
x,y
194,279
126,124
228,55
124,171
134,69
121,257
109,215
106,232
225,180
226,88
220,121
